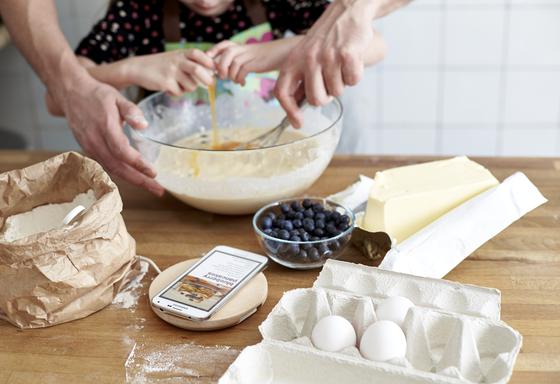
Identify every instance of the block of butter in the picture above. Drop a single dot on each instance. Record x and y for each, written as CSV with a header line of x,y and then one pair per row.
x,y
405,199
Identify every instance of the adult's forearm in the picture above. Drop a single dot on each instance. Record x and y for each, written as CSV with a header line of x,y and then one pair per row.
x,y
33,25
279,51
370,9
384,7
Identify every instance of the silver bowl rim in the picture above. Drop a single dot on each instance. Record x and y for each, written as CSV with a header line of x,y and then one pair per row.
x,y
140,133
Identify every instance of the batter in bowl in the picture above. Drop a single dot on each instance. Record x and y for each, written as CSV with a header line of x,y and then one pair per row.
x,y
239,182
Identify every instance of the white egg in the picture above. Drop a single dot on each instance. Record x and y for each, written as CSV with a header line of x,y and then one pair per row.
x,y
394,309
333,333
383,340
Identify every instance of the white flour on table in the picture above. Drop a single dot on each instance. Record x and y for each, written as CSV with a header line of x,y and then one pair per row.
x,y
183,363
129,295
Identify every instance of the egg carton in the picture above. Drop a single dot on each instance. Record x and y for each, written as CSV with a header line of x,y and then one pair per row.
x,y
426,292
453,333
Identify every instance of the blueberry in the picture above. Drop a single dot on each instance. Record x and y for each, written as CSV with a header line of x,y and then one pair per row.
x,y
334,245
274,233
307,203
279,223
305,236
301,231
315,238
332,230
295,238
308,224
323,248
309,213
272,215
299,216
318,232
296,206
318,208
272,245
285,208
294,232
335,216
283,234
344,219
320,216
290,215
302,255
280,217
343,227
297,223
284,250
313,254
293,249
319,224
267,223
287,225
306,246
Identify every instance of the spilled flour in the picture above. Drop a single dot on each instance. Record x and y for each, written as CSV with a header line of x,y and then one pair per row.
x,y
183,363
129,295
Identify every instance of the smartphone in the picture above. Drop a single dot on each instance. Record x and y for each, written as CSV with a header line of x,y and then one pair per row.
x,y
210,283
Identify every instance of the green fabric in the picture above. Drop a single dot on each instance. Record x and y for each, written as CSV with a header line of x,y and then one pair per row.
x,y
184,45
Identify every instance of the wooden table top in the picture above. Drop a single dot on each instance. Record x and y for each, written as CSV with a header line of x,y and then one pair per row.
x,y
523,262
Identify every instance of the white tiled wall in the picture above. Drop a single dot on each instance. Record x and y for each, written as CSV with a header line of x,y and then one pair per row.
x,y
478,77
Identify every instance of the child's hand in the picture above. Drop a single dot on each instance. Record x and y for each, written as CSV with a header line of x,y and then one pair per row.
x,y
174,72
235,61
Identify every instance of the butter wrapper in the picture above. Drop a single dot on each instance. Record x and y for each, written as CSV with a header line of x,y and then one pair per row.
x,y
373,245
439,247
355,195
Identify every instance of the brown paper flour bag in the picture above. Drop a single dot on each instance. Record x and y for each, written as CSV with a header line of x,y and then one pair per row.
x,y
66,273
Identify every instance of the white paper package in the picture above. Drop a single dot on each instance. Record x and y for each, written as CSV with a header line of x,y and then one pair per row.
x,y
355,195
452,336
439,247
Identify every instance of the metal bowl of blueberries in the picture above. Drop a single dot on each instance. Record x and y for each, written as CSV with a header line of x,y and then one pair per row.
x,y
303,233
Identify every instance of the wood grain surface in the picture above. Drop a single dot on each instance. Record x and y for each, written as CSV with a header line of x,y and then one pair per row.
x,y
117,343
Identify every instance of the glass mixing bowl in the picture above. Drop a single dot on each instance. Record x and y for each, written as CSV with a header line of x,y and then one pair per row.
x,y
177,140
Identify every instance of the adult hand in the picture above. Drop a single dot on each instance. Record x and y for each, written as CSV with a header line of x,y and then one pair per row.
x,y
330,56
96,113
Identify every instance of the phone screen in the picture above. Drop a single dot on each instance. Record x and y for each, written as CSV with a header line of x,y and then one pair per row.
x,y
210,281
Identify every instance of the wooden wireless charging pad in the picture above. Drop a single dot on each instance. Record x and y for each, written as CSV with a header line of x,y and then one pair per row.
x,y
238,308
